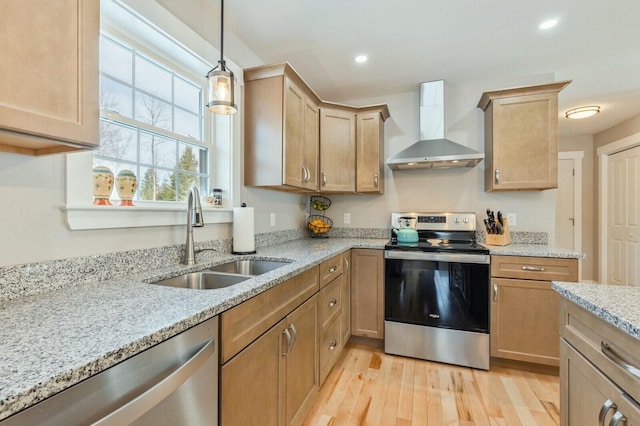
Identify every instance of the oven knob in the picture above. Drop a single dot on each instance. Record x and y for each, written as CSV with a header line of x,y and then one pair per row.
x,y
466,220
456,220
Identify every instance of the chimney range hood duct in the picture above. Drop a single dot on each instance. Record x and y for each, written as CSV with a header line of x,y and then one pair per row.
x,y
432,150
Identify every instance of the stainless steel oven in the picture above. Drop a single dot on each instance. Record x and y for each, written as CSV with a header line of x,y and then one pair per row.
x,y
437,292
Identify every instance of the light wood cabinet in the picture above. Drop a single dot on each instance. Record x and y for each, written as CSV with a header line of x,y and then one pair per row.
x,y
367,293
274,380
370,150
346,297
596,388
524,307
281,130
49,76
337,150
521,137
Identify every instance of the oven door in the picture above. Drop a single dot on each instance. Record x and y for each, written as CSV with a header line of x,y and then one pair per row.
x,y
444,290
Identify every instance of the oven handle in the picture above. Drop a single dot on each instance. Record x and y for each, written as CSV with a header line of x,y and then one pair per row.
x,y
440,257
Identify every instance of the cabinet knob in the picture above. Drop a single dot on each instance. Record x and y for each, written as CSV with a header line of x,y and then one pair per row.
x,y
333,269
333,303
333,344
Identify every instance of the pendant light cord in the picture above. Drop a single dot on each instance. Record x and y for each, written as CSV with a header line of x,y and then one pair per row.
x,y
222,33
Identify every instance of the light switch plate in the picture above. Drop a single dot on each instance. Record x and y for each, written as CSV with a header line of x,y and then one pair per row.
x,y
511,219
273,219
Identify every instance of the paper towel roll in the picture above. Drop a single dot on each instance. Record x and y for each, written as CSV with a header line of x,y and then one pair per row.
x,y
243,234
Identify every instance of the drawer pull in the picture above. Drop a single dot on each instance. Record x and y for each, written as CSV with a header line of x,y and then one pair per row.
x,y
333,303
295,336
333,269
608,405
333,344
610,353
618,419
533,268
495,292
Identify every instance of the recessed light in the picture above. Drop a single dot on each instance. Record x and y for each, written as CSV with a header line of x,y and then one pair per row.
x,y
549,23
361,59
582,112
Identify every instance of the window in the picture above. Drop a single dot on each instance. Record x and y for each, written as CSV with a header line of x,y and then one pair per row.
x,y
151,123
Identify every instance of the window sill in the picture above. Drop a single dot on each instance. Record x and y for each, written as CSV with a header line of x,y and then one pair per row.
x,y
82,217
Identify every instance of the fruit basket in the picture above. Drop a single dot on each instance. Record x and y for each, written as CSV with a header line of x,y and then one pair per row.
x,y
320,203
318,225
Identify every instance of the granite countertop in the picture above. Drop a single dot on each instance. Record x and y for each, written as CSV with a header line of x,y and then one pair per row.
x,y
53,340
533,250
617,305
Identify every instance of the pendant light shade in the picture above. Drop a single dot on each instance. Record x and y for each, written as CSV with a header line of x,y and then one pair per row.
x,y
220,81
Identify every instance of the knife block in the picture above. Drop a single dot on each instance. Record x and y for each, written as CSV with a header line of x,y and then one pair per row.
x,y
503,239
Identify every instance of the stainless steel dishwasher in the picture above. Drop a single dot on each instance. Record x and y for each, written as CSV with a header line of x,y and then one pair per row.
x,y
172,383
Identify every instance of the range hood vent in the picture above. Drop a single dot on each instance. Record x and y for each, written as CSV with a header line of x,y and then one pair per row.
x,y
432,150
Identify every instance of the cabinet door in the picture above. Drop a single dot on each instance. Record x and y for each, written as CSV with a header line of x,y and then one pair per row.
x,y
294,131
524,321
367,304
49,75
584,391
525,143
252,386
310,145
302,383
369,152
337,150
346,297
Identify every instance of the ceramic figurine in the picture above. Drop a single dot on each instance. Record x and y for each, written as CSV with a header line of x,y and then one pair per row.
x,y
126,185
102,185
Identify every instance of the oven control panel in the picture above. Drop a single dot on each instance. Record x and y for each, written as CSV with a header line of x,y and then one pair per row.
x,y
464,221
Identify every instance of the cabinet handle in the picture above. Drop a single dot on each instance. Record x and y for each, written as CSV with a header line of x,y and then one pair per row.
x,y
346,264
324,179
375,180
305,174
610,353
533,268
497,172
288,335
495,292
308,173
333,303
333,345
617,419
333,269
295,336
608,405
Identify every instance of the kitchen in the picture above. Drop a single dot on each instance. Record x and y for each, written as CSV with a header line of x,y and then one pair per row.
x,y
35,187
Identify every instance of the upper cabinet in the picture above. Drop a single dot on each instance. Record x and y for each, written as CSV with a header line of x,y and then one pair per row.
x,y
521,137
281,130
49,76
295,142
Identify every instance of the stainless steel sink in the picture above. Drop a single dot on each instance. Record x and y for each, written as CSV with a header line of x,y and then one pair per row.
x,y
249,266
203,280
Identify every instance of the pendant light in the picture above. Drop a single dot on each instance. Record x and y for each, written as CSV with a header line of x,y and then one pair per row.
x,y
220,80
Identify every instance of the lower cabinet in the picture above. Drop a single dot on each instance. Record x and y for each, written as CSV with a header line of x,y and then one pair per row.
x,y
367,293
274,380
524,307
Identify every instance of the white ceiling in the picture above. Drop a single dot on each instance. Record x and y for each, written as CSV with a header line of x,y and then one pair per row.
x,y
465,42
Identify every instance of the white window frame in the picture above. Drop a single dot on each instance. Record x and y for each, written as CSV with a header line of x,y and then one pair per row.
x,y
225,172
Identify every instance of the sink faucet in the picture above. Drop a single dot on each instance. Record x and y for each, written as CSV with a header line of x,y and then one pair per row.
x,y
194,219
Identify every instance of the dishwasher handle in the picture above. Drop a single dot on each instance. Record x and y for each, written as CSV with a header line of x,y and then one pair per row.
x,y
137,407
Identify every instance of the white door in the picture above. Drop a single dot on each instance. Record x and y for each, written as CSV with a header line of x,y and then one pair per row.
x,y
623,212
565,215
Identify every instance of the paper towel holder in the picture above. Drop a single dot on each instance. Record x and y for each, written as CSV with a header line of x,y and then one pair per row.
x,y
242,252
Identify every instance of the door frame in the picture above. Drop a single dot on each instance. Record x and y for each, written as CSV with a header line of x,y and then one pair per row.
x,y
603,154
577,157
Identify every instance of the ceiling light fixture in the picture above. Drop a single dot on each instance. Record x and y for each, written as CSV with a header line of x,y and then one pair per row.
x,y
220,80
549,23
361,59
582,112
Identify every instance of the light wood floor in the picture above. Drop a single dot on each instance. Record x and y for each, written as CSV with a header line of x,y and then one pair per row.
x,y
368,387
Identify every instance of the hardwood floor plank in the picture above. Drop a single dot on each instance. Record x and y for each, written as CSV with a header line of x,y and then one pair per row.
x,y
369,387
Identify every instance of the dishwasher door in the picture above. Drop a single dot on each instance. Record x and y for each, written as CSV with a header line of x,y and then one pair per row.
x,y
172,383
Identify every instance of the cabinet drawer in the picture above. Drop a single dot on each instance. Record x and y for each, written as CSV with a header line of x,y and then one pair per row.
x,y
244,323
534,268
330,302
608,348
330,345
330,269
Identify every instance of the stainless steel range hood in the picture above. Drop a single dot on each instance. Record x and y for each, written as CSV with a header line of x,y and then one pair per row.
x,y
432,150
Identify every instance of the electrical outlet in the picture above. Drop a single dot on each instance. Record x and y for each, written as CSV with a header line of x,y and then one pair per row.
x,y
347,218
273,219
511,219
